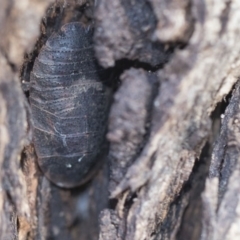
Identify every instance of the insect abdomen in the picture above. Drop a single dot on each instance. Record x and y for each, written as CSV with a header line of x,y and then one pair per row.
x,y
69,104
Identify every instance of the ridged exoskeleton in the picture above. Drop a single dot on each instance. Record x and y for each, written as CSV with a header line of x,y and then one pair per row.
x,y
69,100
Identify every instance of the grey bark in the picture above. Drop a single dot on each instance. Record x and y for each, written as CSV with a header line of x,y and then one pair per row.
x,y
173,166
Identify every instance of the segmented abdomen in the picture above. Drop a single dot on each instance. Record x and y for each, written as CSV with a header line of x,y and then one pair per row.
x,y
69,102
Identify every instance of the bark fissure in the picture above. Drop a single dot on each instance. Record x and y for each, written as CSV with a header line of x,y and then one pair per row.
x,y
169,174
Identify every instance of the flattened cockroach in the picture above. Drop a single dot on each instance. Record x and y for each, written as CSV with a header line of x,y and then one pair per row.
x,y
69,99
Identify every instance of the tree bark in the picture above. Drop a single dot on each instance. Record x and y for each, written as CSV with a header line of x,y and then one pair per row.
x,y
173,164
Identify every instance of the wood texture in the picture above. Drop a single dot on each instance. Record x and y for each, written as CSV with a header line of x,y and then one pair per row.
x,y
173,166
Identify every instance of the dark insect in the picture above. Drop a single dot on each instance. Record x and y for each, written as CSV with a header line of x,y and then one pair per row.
x,y
69,100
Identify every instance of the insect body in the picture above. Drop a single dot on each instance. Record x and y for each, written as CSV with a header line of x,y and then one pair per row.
x,y
69,102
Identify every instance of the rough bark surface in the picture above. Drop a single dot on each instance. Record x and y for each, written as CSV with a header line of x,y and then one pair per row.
x,y
172,171
19,34
124,29
129,121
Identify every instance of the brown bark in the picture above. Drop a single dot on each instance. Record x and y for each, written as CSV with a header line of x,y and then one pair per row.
x,y
173,165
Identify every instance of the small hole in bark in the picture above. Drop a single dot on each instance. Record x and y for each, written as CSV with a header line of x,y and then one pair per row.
x,y
113,203
217,113
130,200
124,64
